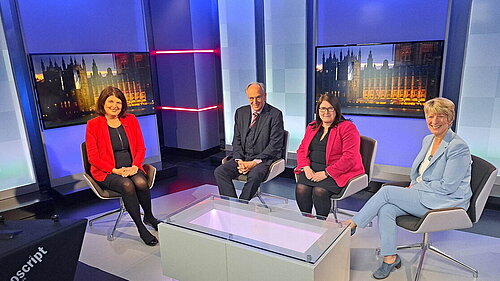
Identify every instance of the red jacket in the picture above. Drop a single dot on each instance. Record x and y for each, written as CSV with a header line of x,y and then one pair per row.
x,y
343,159
100,151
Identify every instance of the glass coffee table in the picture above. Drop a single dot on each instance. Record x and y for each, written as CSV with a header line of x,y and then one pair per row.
x,y
218,238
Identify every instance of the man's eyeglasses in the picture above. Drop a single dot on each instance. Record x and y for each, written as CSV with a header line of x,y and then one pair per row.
x,y
326,109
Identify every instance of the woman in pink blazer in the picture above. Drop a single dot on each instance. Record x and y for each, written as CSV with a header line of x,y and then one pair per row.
x,y
327,158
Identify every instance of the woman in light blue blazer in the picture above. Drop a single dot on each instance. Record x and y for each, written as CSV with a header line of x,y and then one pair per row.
x,y
440,178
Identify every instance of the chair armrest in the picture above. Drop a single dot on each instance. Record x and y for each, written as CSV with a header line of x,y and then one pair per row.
x,y
276,168
150,173
440,220
354,185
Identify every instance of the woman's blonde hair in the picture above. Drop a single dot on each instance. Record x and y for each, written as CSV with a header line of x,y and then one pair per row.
x,y
440,106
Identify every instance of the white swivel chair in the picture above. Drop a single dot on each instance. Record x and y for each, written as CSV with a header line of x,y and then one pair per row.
x,y
482,180
276,168
110,194
368,150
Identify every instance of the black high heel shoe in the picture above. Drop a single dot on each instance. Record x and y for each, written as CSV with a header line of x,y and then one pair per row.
x,y
152,222
149,240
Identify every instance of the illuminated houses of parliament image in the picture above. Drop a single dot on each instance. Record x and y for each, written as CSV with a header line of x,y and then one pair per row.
x,y
385,79
68,88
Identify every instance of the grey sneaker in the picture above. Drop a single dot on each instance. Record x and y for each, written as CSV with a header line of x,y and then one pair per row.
x,y
385,269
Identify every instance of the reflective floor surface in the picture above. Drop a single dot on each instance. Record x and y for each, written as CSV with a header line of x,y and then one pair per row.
x,y
127,257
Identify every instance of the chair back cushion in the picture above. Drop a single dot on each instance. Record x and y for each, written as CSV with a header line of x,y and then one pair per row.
x,y
368,150
85,159
483,176
101,193
284,149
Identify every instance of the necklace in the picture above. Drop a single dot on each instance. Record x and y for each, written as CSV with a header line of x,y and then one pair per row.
x,y
120,137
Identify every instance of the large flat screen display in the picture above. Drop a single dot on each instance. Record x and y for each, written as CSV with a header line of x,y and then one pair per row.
x,y
389,79
68,85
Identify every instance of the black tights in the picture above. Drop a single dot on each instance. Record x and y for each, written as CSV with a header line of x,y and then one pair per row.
x,y
135,191
307,195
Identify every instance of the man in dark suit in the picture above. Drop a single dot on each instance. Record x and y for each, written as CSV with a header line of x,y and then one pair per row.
x,y
257,143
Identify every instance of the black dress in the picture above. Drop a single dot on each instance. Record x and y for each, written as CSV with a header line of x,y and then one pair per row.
x,y
121,152
317,155
121,148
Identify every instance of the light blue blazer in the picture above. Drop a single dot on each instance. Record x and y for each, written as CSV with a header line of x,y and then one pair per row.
x,y
446,181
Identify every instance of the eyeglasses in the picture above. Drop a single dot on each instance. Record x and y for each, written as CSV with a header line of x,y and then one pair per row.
x,y
326,109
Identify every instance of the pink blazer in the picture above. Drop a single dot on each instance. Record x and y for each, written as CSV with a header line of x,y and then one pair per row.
x,y
342,152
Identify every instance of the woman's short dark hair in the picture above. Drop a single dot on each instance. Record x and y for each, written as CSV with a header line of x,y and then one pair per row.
x,y
336,106
105,94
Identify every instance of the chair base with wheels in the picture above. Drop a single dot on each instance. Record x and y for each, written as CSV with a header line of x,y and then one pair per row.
x,y
109,194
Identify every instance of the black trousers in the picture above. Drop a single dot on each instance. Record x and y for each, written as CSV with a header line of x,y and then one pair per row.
x,y
225,173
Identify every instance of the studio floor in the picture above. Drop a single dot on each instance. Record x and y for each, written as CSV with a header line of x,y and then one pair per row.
x,y
128,258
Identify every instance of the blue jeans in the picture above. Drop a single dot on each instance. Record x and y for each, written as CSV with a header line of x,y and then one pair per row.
x,y
388,203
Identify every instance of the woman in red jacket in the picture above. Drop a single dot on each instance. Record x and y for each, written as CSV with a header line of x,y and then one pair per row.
x,y
116,150
327,157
